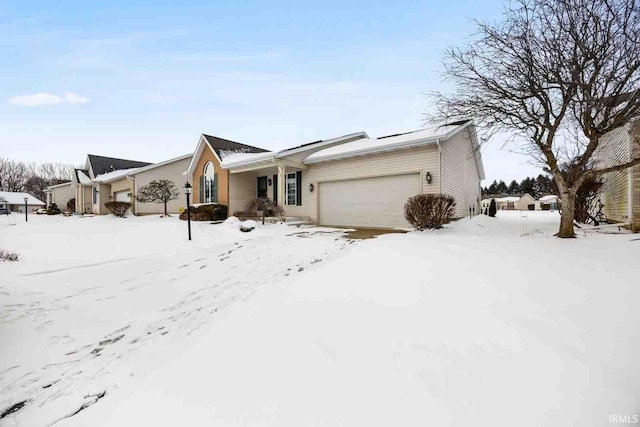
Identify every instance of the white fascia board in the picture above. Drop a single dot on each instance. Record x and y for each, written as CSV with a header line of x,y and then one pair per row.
x,y
157,165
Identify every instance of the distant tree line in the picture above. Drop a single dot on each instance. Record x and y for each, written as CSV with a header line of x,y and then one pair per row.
x,y
32,178
536,187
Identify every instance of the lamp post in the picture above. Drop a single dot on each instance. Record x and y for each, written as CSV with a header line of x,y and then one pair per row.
x,y
26,218
187,191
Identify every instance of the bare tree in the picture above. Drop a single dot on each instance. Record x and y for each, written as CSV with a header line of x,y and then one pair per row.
x,y
266,206
161,191
558,75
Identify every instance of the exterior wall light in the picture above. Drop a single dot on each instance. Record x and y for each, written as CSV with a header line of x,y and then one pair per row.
x,y
311,187
269,182
428,177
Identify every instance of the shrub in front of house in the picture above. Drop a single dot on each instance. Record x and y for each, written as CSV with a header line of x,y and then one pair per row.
x,y
493,208
210,212
53,209
426,211
71,205
118,209
9,256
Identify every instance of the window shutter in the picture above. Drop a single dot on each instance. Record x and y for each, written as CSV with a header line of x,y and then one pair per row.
x,y
299,188
275,189
201,198
214,188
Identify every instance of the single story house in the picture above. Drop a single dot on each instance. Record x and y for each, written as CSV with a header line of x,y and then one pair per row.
x,y
549,202
93,184
60,194
620,192
210,180
14,201
355,180
513,202
4,207
172,170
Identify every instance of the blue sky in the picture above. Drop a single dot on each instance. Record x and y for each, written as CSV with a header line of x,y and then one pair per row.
x,y
143,79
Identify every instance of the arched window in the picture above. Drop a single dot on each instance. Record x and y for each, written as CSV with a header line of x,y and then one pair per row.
x,y
209,184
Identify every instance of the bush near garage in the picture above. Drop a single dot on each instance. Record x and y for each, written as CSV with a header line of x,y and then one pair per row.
x,y
426,211
209,212
118,209
53,209
71,205
9,256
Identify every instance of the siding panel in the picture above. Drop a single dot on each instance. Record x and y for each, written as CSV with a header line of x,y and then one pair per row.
x,y
173,171
460,177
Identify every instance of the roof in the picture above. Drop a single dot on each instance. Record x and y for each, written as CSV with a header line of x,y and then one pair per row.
x,y
12,198
549,198
159,164
386,143
235,160
78,173
506,197
221,145
113,176
62,184
101,165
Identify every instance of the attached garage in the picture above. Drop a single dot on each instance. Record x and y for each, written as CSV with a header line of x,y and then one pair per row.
x,y
367,202
122,196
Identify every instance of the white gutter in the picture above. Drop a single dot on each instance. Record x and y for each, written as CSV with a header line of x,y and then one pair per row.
x,y
372,150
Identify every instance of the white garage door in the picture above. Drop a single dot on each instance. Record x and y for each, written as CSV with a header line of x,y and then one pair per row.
x,y
122,196
369,202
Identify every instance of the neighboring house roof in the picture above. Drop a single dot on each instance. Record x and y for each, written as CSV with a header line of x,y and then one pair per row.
x,y
388,143
221,149
12,198
101,164
116,175
160,164
62,184
549,198
242,159
222,146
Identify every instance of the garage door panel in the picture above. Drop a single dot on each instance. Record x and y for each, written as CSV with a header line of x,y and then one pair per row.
x,y
122,196
369,202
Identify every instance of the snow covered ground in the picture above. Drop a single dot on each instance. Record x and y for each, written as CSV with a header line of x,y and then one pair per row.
x,y
488,322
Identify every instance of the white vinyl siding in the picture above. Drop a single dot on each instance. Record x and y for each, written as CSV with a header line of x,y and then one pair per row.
x,y
61,195
615,149
242,189
460,177
174,172
414,160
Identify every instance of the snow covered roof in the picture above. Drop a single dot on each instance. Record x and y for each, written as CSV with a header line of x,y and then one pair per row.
x,y
83,177
508,199
387,143
159,164
237,159
18,198
114,176
549,198
62,184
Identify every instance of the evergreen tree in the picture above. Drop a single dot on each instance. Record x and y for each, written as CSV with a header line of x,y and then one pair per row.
x,y
513,187
493,208
501,188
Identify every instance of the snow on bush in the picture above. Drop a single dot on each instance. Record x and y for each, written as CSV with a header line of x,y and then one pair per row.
x,y
9,256
429,210
232,220
248,225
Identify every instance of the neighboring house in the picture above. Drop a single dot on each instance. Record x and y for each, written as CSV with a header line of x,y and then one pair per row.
x,y
172,170
210,181
103,179
60,194
621,190
547,203
354,180
513,202
14,202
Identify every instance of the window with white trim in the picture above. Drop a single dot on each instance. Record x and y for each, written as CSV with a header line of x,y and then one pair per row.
x,y
209,183
292,190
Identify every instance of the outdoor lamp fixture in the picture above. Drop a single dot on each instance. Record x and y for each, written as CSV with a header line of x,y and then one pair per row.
x,y
311,187
26,218
428,177
187,191
269,182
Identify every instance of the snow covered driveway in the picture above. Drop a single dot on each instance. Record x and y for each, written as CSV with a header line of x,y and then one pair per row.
x,y
94,296
489,322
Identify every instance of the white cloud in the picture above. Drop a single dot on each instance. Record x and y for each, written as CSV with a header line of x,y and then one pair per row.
x,y
43,98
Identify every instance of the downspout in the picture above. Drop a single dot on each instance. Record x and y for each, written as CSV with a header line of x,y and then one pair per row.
x,y
439,166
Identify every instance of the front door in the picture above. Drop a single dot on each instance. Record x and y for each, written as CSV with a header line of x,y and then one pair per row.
x,y
262,186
